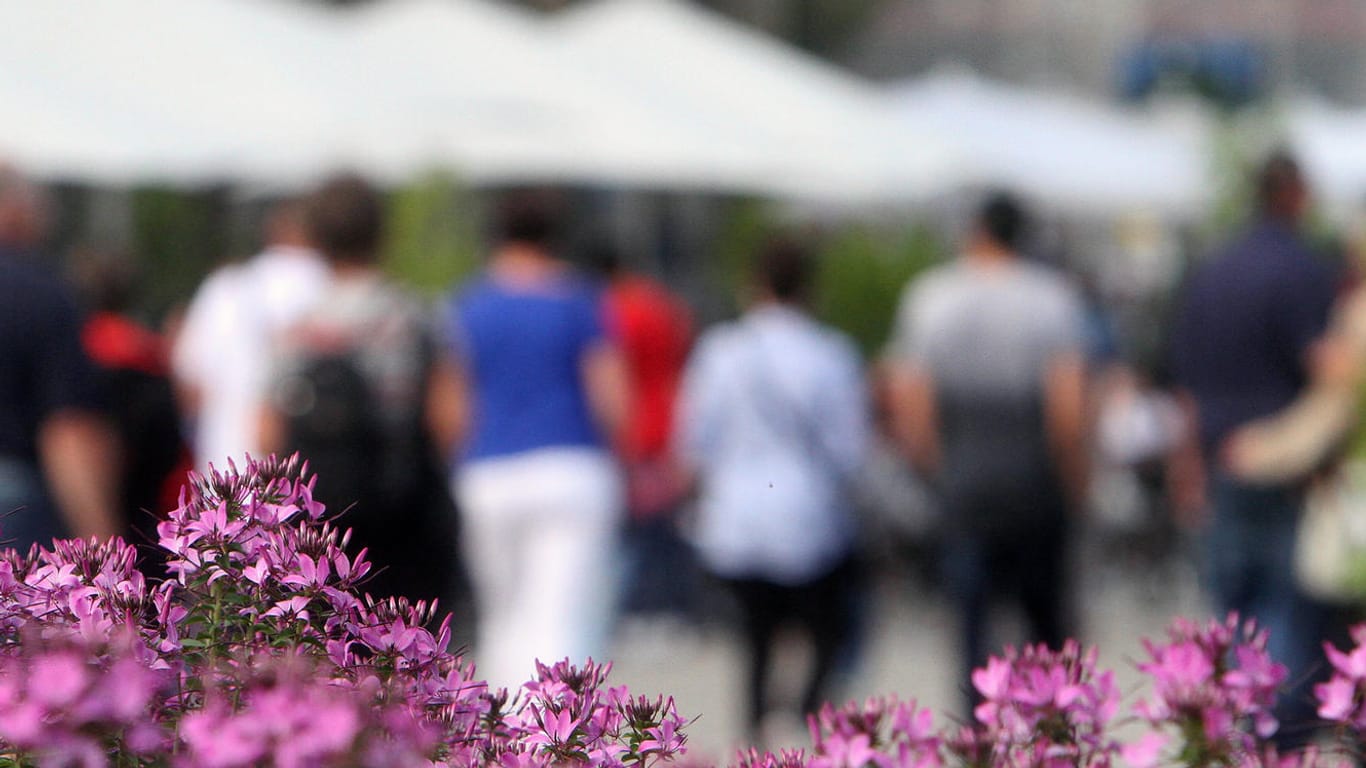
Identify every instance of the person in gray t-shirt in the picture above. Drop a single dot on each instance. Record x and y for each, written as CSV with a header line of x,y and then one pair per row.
x,y
989,400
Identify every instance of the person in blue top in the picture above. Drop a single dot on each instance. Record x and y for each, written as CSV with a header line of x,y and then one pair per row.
x,y
537,485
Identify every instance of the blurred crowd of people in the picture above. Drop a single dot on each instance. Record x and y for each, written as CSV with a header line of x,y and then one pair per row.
x,y
567,441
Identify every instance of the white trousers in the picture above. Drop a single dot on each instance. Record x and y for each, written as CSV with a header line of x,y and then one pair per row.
x,y
539,534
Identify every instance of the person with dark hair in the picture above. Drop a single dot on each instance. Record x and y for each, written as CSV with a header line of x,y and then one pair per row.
x,y
1242,349
1003,219
58,454
361,389
654,330
537,486
346,218
774,422
221,354
133,368
533,215
988,401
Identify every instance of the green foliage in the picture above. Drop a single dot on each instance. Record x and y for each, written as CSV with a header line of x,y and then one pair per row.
x,y
748,224
861,268
178,236
862,271
432,240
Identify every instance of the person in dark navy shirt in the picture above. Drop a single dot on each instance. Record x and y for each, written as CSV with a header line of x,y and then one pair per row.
x,y
57,454
1241,350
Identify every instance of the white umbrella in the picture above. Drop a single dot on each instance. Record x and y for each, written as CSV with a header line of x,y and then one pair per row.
x,y
216,89
817,131
1066,153
1331,144
480,87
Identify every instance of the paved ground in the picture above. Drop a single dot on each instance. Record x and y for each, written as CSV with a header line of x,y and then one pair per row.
x,y
910,651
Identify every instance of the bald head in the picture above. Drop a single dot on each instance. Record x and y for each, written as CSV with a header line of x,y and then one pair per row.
x,y
23,209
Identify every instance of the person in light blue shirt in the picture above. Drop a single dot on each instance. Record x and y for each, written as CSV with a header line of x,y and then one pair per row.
x,y
773,420
537,485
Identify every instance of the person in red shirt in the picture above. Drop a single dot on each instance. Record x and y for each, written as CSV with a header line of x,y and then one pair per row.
x,y
133,369
653,327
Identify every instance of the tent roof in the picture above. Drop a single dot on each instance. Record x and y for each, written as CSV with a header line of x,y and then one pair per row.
x,y
817,130
209,89
488,91
635,92
1329,142
1067,153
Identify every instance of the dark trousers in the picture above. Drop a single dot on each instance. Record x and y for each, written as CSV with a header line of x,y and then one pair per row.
x,y
1249,565
27,514
660,572
1027,564
821,608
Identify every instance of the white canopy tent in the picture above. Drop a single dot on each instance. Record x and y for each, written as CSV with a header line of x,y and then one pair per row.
x,y
276,93
1331,144
816,131
188,90
273,93
1070,155
478,86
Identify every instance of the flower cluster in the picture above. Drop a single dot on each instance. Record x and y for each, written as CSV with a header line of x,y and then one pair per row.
x,y
569,716
884,732
1342,699
284,715
261,649
1216,684
66,700
1041,707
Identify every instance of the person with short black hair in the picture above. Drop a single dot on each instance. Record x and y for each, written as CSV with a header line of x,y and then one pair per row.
x,y
988,400
653,328
533,216
1247,325
1003,219
345,217
774,422
361,388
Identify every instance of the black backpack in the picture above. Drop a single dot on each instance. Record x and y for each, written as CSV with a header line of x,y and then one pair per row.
x,y
333,420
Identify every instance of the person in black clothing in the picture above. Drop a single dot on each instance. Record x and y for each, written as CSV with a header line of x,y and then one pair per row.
x,y
57,453
133,371
359,389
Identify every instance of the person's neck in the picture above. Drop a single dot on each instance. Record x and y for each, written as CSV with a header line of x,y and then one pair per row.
x,y
767,301
1281,219
989,255
289,246
523,264
348,271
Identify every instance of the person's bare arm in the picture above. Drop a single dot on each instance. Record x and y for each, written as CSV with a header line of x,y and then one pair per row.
x,y
608,388
1066,424
447,407
270,429
1186,468
80,456
915,418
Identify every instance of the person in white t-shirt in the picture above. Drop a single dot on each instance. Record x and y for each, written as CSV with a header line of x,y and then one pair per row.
x,y
221,354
